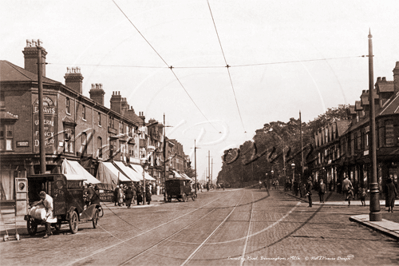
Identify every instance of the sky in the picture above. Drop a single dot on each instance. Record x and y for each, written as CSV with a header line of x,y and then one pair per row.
x,y
284,57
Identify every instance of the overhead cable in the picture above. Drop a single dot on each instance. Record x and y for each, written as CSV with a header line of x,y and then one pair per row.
x,y
242,65
170,67
227,66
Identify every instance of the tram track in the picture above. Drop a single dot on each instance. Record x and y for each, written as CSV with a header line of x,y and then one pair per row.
x,y
140,234
210,235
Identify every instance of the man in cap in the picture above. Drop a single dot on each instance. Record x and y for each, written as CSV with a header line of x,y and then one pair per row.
x,y
47,202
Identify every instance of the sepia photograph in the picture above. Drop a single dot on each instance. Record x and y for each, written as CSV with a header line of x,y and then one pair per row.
x,y
199,132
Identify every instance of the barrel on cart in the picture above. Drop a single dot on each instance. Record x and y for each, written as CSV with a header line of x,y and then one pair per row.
x,y
68,203
178,188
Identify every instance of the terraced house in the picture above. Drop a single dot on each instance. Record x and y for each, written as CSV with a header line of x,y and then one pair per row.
x,y
342,148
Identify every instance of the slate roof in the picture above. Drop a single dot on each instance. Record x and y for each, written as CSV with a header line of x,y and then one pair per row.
x,y
392,106
13,73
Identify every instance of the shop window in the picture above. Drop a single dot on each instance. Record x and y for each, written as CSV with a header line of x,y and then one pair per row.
x,y
6,137
68,105
6,185
99,147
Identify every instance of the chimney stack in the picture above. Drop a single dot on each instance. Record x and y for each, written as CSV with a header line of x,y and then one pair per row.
x,y
73,79
396,77
142,117
124,106
30,53
97,93
116,102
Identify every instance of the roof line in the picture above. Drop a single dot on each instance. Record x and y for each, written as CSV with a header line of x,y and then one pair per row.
x,y
16,68
386,107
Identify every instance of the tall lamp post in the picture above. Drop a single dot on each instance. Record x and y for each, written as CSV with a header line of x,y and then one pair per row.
x,y
375,214
293,173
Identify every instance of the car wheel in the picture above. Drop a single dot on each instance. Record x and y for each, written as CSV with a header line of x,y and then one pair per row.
x,y
74,222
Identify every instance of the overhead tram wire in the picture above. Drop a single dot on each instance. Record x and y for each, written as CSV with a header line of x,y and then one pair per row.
x,y
198,67
227,66
170,67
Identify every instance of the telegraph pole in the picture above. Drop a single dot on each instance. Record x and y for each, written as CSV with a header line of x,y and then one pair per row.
x,y
41,113
212,171
375,214
300,135
195,165
209,165
164,151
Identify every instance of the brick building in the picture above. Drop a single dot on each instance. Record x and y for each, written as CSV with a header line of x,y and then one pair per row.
x,y
342,148
76,127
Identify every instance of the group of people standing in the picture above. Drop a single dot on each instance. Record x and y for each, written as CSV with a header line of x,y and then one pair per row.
x,y
128,194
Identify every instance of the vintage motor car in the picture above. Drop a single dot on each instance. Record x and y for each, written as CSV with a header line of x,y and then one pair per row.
x,y
68,203
178,188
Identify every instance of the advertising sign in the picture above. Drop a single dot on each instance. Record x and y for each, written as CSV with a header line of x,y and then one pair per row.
x,y
50,119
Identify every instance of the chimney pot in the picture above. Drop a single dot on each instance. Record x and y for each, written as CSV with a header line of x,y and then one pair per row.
x,y
384,79
378,79
73,79
31,52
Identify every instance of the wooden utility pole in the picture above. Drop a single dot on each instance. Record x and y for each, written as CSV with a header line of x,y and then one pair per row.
x,y
195,165
42,143
300,136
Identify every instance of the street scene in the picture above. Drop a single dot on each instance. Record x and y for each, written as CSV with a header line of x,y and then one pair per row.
x,y
199,132
230,227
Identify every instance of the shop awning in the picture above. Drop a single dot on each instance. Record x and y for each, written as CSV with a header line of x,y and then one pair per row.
x,y
185,176
133,175
74,177
177,175
74,168
139,170
110,176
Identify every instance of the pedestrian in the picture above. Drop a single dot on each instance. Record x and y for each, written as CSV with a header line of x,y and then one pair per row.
x,y
121,195
309,187
139,192
391,194
346,184
350,195
47,202
129,196
322,190
363,193
148,193
116,194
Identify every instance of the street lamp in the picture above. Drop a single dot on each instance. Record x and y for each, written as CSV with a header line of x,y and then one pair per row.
x,y
293,173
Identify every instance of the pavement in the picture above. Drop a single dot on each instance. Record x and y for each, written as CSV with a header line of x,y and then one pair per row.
x,y
390,221
11,224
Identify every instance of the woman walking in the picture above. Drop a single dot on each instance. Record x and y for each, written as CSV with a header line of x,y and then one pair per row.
x,y
322,190
129,196
391,195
